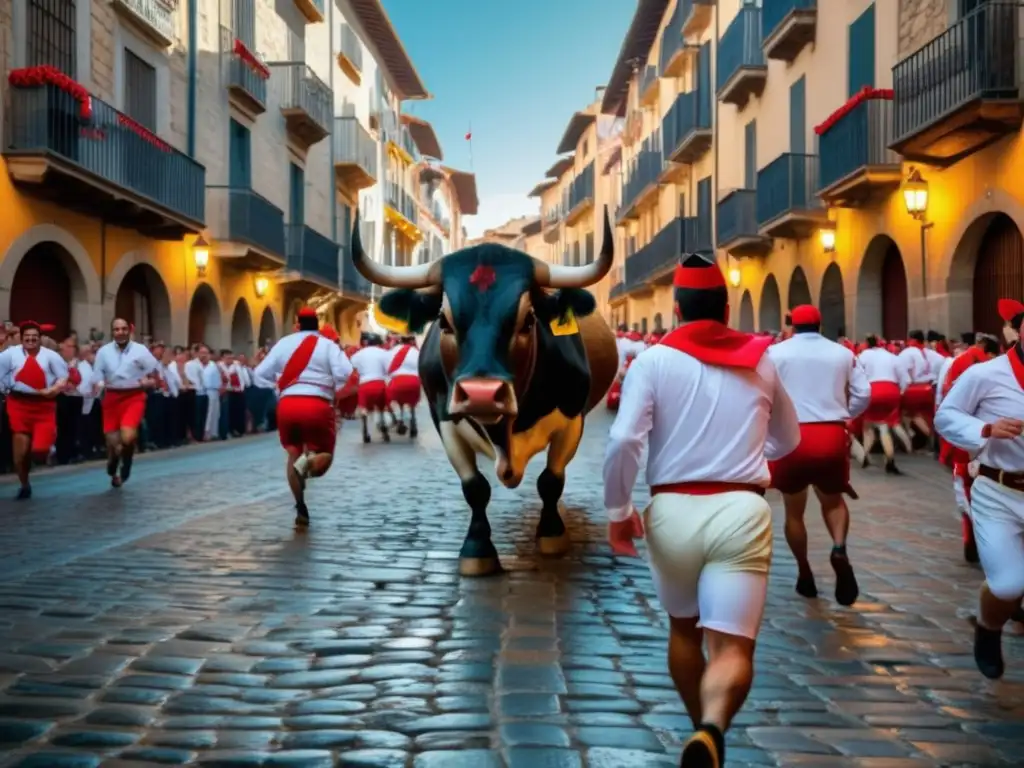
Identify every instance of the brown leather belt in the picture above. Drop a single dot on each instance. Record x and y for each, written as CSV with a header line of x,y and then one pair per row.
x,y
1012,480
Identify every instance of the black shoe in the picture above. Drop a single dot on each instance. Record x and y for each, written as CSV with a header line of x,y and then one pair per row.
x,y
413,433
301,515
366,437
385,436
401,429
126,469
865,462
891,468
700,751
112,463
805,586
24,493
988,651
847,590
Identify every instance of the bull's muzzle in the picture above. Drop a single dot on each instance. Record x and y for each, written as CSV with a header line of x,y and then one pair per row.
x,y
487,400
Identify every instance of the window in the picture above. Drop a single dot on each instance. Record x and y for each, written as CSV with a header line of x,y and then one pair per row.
x,y
584,148
50,28
139,90
750,155
590,248
245,23
297,194
861,52
798,117
704,238
344,225
682,204
576,254
240,169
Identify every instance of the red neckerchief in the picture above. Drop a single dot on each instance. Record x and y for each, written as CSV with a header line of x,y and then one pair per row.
x,y
1017,363
714,343
943,349
31,373
634,336
959,365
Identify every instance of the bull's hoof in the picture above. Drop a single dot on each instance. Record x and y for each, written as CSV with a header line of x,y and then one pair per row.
x,y
479,566
553,546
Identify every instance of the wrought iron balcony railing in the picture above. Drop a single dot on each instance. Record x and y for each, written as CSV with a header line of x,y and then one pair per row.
x,y
740,46
644,171
351,281
350,47
254,220
353,145
672,37
312,255
582,187
400,200
858,139
737,216
788,183
689,113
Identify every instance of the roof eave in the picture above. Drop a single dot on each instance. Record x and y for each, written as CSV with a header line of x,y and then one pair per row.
x,y
424,136
637,43
578,123
405,81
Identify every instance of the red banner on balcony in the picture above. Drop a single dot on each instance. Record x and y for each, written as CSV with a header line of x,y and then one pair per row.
x,y
35,77
250,60
867,93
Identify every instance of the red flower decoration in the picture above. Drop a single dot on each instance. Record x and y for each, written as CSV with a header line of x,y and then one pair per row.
x,y
144,132
867,93
35,77
249,59
483,278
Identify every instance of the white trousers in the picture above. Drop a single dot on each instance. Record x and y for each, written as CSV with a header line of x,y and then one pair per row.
x,y
962,507
710,557
998,516
213,416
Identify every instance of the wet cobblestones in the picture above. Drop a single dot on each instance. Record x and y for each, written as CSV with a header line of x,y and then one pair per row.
x,y
182,621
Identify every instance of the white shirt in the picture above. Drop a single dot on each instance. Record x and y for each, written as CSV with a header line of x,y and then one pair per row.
x,y
935,362
86,387
259,381
410,364
328,369
194,374
882,365
917,365
169,373
940,381
119,368
13,359
211,380
372,364
985,393
823,379
704,423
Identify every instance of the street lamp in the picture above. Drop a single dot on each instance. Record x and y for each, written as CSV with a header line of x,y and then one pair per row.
x,y
260,285
915,197
828,240
201,254
734,277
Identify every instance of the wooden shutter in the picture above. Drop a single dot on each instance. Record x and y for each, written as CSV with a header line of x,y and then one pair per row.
x,y
798,117
704,92
750,155
998,274
297,194
861,44
139,90
240,169
704,237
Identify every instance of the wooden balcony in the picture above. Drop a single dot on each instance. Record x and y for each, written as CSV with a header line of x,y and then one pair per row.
x,y
580,196
787,26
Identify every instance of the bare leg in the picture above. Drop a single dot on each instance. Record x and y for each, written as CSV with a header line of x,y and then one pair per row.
x,y
383,427
857,452
922,426
904,437
870,436
796,537
366,426
113,457
128,438
837,519
686,663
298,488
22,449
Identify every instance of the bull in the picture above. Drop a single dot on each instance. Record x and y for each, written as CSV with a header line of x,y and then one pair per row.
x,y
513,361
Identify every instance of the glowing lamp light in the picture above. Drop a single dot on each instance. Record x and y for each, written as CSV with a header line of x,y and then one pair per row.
x,y
734,277
201,254
915,194
828,240
260,284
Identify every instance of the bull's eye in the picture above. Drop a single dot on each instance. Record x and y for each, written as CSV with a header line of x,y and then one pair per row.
x,y
528,322
443,324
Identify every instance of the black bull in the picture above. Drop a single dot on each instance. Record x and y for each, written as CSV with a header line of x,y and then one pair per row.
x,y
513,362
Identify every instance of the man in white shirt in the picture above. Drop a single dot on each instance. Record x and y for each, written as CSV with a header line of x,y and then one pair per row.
x,y
196,404
828,388
982,414
889,379
158,401
311,369
918,402
35,376
404,383
213,392
69,405
710,403
124,371
371,362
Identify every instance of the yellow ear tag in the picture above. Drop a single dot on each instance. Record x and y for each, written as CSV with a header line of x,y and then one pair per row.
x,y
389,323
565,326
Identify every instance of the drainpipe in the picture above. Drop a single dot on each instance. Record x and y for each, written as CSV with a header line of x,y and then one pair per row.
x,y
333,191
712,77
193,65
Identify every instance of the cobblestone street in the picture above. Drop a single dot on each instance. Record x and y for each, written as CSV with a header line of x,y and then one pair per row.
x,y
182,620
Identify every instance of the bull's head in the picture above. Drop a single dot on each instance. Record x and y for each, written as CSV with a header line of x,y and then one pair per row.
x,y
491,304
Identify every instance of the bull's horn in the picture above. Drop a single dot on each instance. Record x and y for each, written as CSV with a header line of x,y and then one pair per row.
x,y
417,276
558,276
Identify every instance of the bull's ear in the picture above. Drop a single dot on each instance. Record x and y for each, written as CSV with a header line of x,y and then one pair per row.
x,y
559,303
408,309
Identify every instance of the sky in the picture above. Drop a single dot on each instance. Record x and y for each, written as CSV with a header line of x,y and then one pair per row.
x,y
514,71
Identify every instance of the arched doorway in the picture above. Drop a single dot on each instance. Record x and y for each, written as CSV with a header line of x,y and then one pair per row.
x,y
42,288
657,322
799,290
142,300
882,290
747,313
204,317
241,329
832,302
268,329
769,317
998,273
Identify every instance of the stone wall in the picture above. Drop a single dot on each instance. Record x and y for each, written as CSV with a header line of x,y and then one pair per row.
x,y
920,21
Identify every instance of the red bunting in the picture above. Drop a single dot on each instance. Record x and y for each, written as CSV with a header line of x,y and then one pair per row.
x,y
867,93
34,77
249,59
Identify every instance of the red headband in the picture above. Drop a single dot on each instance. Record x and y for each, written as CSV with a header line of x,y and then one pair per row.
x,y
696,272
24,325
806,314
307,312
1009,309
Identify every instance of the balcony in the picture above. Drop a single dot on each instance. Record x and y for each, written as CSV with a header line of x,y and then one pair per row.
x,y
355,156
648,86
617,292
742,71
855,163
396,136
312,259
247,229
642,182
672,60
961,91
737,225
697,15
787,26
247,80
350,54
400,211
580,195
353,284
686,129
111,167
552,222
655,262
313,10
306,102
787,200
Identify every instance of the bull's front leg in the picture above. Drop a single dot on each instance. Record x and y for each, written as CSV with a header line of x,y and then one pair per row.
x,y
552,536
478,557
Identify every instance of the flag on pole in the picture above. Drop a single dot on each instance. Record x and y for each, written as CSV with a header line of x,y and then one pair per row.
x,y
469,138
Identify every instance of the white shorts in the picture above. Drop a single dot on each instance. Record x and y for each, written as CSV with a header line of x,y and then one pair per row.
x,y
998,516
710,557
962,507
